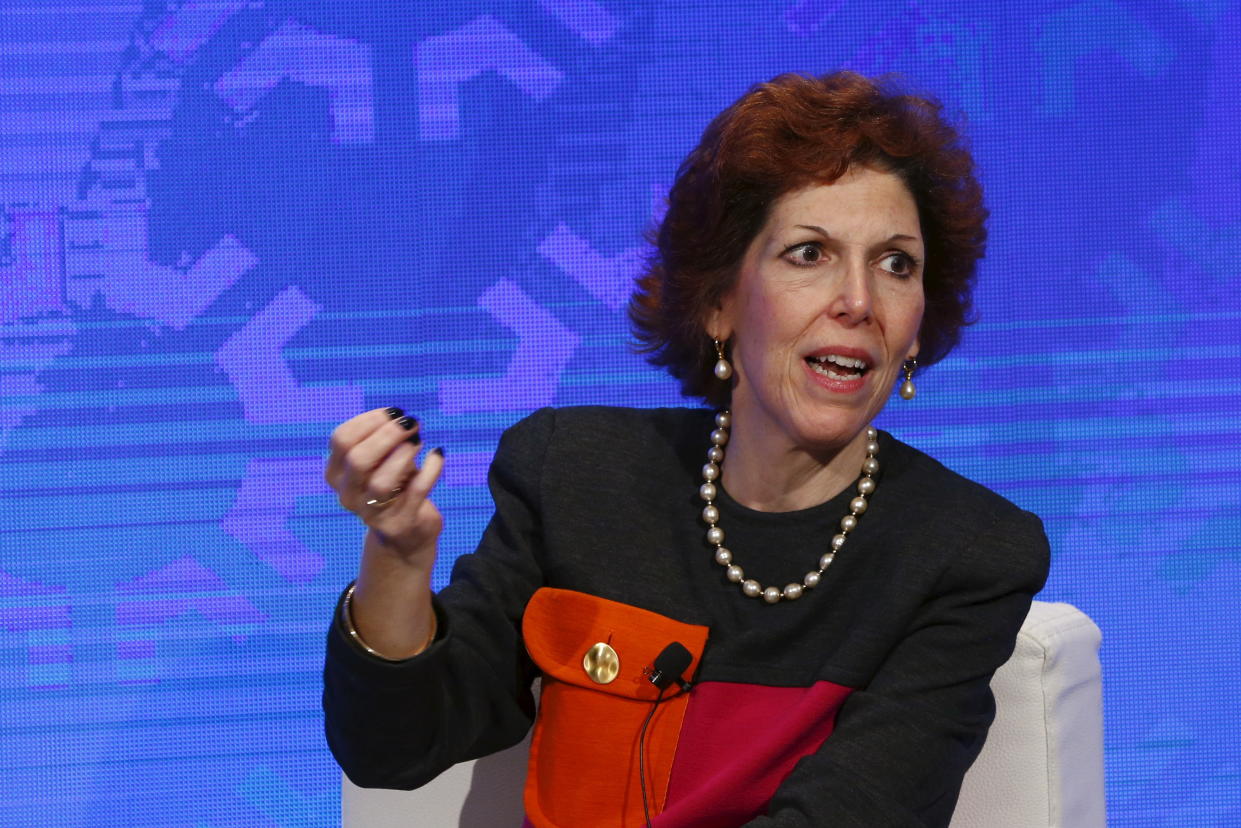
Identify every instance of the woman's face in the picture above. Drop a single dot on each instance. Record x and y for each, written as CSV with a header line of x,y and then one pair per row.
x,y
826,308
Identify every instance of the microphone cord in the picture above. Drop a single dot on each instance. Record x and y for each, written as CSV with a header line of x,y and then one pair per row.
x,y
646,808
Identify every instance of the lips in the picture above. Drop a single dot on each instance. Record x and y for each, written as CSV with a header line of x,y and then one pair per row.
x,y
839,365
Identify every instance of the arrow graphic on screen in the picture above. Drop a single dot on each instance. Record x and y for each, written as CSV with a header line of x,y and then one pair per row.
x,y
180,587
1088,28
544,348
185,30
268,390
589,20
106,254
444,62
265,502
294,51
608,279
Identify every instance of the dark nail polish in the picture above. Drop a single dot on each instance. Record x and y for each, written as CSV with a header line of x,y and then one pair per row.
x,y
438,450
414,439
407,423
394,413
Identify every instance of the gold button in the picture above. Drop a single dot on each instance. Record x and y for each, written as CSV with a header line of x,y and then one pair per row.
x,y
601,663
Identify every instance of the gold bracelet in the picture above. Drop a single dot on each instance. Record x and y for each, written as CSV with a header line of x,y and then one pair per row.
x,y
347,616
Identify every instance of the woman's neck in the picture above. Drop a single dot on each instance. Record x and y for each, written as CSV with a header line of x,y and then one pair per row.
x,y
773,475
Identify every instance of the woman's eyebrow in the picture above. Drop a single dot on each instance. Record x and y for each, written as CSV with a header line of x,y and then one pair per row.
x,y
894,237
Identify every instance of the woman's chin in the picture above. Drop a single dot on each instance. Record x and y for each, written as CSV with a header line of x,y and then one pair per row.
x,y
824,434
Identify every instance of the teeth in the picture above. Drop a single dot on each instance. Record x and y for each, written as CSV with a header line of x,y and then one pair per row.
x,y
821,368
842,361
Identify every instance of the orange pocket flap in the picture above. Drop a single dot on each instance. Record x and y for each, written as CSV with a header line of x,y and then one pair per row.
x,y
585,768
560,627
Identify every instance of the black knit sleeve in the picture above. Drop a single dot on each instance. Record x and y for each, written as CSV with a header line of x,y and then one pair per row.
x,y
400,724
902,744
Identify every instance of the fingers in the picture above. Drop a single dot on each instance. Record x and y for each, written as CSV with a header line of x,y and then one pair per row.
x,y
373,468
392,473
364,459
420,485
414,484
350,433
408,512
352,464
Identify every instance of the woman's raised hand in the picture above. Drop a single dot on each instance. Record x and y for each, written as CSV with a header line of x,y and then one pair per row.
x,y
372,468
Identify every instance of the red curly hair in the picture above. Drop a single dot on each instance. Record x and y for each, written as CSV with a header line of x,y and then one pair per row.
x,y
780,136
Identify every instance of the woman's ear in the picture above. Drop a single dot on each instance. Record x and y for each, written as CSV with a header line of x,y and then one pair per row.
x,y
719,322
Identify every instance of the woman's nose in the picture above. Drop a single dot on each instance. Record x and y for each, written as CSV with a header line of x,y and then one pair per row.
x,y
853,302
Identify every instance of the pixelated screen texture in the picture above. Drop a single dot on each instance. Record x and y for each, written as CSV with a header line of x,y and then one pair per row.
x,y
228,225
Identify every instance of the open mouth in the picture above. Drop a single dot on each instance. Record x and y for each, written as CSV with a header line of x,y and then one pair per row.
x,y
837,367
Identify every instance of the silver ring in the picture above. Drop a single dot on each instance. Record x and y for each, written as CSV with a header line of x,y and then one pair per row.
x,y
379,503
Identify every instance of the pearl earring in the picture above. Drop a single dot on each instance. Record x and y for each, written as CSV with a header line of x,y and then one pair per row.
x,y
723,368
907,387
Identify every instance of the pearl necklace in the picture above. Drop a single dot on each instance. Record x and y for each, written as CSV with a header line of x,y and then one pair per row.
x,y
715,535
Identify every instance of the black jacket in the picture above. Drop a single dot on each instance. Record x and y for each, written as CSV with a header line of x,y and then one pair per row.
x,y
915,614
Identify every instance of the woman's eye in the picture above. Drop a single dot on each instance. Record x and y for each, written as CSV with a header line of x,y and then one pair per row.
x,y
804,254
898,264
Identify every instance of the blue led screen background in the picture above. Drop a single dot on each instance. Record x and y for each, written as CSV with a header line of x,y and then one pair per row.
x,y
230,224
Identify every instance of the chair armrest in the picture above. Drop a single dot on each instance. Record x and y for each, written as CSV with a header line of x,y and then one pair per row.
x,y
1042,764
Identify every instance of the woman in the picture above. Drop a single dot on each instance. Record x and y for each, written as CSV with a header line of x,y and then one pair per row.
x,y
844,598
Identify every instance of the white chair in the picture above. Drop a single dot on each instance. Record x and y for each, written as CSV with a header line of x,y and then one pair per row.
x,y
1042,765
